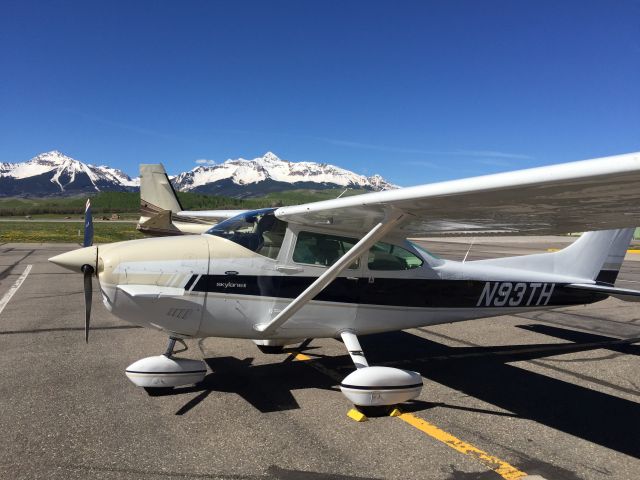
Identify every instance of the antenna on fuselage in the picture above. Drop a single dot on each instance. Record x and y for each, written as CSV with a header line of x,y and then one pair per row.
x,y
468,250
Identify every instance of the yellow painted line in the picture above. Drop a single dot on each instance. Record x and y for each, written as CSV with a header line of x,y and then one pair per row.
x,y
631,250
505,470
502,468
321,368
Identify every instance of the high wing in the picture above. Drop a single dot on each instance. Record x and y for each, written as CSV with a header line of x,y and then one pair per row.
x,y
588,195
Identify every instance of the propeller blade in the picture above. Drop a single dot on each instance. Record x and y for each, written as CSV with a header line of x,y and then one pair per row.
x,y
88,225
87,269
88,297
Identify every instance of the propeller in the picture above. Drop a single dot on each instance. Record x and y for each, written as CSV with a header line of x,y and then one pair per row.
x,y
87,270
88,297
84,260
88,225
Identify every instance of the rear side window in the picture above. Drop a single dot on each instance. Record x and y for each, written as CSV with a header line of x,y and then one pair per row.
x,y
384,256
320,249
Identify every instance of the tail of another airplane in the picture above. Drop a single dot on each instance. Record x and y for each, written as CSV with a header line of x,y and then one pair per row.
x,y
161,212
158,201
595,256
156,192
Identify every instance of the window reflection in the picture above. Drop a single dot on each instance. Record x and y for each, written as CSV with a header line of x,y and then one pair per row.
x,y
258,230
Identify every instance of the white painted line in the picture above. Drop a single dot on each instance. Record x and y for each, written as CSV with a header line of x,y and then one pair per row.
x,y
14,288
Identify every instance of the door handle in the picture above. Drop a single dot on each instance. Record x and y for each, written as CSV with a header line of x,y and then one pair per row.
x,y
289,269
352,278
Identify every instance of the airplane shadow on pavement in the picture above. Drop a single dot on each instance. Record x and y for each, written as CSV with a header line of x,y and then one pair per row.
x,y
485,373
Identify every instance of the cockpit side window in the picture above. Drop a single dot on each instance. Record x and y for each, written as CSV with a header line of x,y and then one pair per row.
x,y
321,249
258,230
385,256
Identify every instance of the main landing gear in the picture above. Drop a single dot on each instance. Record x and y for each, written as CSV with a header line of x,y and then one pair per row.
x,y
374,390
166,371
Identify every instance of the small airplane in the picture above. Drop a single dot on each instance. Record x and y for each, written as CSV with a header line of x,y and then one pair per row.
x,y
161,213
344,267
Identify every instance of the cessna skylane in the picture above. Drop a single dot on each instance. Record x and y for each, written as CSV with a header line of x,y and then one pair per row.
x,y
345,267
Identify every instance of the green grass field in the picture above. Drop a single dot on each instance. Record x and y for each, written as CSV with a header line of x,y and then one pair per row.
x,y
67,232
125,204
106,203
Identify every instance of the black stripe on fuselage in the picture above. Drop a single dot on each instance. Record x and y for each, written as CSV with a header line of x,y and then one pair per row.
x,y
410,292
190,282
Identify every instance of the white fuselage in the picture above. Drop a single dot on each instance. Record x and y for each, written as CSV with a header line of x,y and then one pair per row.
x,y
200,286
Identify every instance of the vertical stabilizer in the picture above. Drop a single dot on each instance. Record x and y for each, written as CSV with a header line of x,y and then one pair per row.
x,y
595,252
611,267
156,191
595,256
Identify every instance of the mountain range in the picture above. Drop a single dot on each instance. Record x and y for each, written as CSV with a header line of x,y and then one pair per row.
x,y
53,173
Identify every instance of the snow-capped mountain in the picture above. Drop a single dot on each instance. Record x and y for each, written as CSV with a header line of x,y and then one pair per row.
x,y
241,177
53,173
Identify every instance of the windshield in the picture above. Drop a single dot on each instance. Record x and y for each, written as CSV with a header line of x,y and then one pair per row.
x,y
258,230
432,258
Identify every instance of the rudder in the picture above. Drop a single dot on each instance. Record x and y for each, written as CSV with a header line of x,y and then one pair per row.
x,y
611,267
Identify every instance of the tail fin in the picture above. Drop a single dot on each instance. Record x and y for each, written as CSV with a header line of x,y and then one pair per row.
x,y
156,192
594,256
619,240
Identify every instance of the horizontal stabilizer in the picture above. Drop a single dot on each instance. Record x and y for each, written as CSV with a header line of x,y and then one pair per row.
x,y
159,224
619,293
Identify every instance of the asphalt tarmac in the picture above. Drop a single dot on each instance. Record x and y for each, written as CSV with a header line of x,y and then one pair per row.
x,y
552,393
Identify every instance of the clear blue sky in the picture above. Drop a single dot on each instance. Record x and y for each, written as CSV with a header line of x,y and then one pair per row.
x,y
416,91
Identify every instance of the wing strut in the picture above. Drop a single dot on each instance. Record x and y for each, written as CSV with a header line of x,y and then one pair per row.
x,y
392,218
